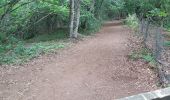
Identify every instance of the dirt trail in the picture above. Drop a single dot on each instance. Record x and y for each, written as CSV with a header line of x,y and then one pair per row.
x,y
94,69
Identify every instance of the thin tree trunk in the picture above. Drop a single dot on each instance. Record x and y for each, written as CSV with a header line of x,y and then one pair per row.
x,y
74,17
77,18
71,17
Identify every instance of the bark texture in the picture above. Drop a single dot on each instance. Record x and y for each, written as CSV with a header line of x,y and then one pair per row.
x,y
71,17
74,17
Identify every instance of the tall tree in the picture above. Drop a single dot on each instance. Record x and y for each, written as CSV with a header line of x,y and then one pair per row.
x,y
71,18
74,17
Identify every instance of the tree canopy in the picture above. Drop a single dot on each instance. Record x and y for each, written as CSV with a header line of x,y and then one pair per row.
x,y
25,18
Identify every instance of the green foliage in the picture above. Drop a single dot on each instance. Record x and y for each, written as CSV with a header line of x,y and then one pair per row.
x,y
89,22
17,52
28,17
144,54
134,56
157,12
114,8
2,36
59,35
167,43
149,58
132,21
55,7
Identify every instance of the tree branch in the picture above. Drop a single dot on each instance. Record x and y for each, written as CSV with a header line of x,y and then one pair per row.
x,y
21,5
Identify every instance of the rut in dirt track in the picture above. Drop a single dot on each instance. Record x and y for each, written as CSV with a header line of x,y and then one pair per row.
x,y
94,69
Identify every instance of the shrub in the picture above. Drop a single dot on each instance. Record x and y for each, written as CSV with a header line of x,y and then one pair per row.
x,y
132,21
16,52
88,23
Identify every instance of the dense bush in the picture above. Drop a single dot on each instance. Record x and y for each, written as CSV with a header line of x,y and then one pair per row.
x,y
17,51
132,21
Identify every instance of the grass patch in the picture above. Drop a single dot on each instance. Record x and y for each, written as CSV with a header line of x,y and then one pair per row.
x,y
14,51
22,52
144,54
167,43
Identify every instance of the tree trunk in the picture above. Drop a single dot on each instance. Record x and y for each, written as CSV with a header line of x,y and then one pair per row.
x,y
71,18
77,17
74,17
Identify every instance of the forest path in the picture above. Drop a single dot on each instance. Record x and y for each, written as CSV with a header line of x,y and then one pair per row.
x,y
94,69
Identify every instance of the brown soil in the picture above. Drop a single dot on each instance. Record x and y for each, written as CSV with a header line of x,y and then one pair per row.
x,y
94,69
